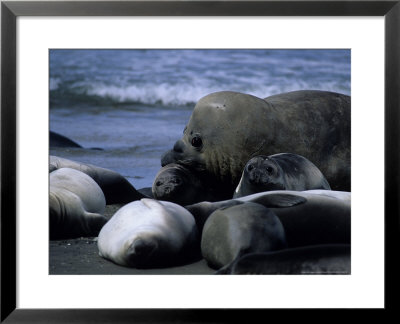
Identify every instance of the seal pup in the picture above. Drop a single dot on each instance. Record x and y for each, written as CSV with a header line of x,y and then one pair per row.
x,y
308,219
233,231
76,203
284,171
227,129
116,188
148,233
318,259
177,184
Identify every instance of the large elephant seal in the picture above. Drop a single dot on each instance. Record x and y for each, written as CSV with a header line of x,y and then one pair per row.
x,y
233,231
284,171
177,184
115,187
227,129
318,259
148,233
76,203
308,218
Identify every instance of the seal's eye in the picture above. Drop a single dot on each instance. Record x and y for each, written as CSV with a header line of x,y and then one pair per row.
x,y
250,167
176,180
196,141
270,170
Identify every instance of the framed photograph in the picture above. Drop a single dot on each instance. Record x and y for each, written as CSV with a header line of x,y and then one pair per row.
x,y
115,83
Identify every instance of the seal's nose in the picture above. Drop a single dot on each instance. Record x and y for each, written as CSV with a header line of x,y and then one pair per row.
x,y
178,147
255,176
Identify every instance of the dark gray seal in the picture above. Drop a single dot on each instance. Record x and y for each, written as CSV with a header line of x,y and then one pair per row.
x,y
318,259
284,171
178,184
233,231
227,129
116,188
58,140
308,218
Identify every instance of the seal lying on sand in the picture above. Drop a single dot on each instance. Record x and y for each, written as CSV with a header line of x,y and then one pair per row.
x,y
177,184
76,203
284,171
233,231
115,187
308,219
318,259
227,129
149,233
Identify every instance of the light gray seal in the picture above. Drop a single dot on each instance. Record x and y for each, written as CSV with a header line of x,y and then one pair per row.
x,y
317,260
76,203
233,231
308,218
284,171
149,233
177,184
227,129
116,188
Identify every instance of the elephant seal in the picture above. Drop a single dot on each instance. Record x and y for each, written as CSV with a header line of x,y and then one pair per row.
x,y
318,259
58,140
177,184
233,231
116,188
308,218
227,129
148,233
76,203
284,171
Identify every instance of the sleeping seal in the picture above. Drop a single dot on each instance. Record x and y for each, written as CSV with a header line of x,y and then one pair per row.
x,y
284,171
177,184
227,129
233,231
148,233
308,218
76,203
318,259
116,188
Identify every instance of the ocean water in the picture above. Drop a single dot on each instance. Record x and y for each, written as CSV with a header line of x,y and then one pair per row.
x,y
134,104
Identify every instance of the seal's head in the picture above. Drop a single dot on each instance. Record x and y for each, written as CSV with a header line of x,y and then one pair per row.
x,y
261,173
220,137
177,184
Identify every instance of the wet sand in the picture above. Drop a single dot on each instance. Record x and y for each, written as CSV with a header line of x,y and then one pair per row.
x,y
81,256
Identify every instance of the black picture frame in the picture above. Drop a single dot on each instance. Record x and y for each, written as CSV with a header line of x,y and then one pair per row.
x,y
10,10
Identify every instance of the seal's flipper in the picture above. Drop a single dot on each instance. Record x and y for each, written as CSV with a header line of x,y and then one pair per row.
x,y
279,200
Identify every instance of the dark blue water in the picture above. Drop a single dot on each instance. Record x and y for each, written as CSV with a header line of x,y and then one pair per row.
x,y
135,103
